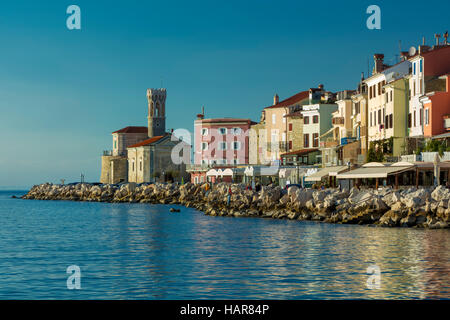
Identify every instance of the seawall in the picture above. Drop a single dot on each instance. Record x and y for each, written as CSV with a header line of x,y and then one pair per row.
x,y
421,208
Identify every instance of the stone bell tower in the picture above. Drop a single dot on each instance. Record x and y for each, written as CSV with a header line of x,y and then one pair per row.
x,y
156,112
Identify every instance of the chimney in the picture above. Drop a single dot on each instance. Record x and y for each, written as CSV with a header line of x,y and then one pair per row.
x,y
276,99
378,60
201,116
320,86
437,36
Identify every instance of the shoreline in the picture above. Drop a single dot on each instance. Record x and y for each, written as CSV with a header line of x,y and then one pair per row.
x,y
419,208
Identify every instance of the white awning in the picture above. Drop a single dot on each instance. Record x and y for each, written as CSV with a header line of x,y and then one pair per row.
x,y
373,172
328,171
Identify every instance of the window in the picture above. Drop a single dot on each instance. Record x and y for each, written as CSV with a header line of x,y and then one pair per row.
x,y
204,131
379,116
414,118
306,140
315,119
414,68
222,146
420,86
290,145
420,68
414,91
236,145
371,123
290,126
236,131
204,161
306,120
132,164
409,120
273,119
427,116
391,96
140,165
315,140
370,92
223,131
284,117
235,161
391,124
115,144
420,117
204,146
386,121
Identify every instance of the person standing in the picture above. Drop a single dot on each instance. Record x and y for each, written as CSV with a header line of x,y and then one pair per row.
x,y
229,196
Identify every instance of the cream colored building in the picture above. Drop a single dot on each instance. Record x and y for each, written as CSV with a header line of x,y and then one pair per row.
x,y
379,108
258,142
151,161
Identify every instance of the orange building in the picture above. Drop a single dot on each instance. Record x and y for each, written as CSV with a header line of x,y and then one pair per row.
x,y
436,106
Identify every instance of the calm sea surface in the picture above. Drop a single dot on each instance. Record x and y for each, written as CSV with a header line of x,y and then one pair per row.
x,y
142,251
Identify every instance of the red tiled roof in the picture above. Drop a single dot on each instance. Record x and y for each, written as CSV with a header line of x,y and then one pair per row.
x,y
146,142
291,100
132,130
299,152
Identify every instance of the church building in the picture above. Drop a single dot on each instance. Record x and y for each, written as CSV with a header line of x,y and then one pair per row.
x,y
144,154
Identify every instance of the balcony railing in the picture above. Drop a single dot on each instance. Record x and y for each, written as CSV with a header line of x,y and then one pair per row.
x,y
277,146
337,120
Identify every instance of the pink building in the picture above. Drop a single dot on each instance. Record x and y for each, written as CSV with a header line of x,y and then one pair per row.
x,y
222,141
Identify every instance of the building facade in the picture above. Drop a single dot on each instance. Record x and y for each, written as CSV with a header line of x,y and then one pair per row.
x,y
221,141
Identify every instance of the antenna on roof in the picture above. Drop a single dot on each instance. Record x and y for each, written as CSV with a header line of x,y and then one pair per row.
x,y
399,51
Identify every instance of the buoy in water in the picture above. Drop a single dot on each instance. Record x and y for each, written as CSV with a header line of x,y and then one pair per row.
x,y
174,210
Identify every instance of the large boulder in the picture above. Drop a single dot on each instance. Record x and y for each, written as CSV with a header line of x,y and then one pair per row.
x,y
440,193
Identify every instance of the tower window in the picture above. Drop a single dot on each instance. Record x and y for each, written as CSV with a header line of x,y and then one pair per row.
x,y
204,131
223,130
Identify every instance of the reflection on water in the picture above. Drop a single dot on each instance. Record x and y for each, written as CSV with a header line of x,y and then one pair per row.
x,y
141,251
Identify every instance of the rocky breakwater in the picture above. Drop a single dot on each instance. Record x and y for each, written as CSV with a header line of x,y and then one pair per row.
x,y
423,207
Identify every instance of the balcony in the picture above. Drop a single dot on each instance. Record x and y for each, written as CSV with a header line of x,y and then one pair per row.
x,y
337,121
447,123
107,153
277,146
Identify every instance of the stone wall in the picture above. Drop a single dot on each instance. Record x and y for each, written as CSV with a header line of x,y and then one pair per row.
x,y
114,169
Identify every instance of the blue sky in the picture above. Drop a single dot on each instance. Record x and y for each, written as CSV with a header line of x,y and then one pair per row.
x,y
63,92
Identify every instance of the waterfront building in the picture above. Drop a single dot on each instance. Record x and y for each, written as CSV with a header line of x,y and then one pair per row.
x,y
436,106
277,124
317,121
386,101
114,162
338,145
428,64
143,154
359,120
257,142
220,143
